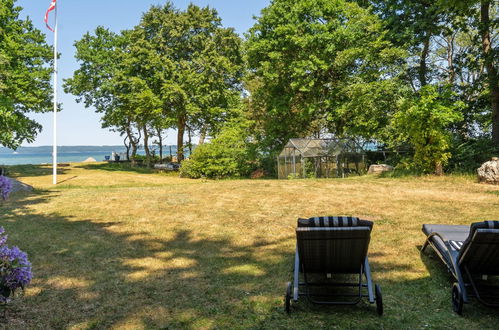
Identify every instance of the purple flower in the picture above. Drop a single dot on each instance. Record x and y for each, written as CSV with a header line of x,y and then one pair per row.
x,y
5,187
15,269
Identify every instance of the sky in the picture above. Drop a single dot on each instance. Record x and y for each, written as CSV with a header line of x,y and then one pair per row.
x,y
78,125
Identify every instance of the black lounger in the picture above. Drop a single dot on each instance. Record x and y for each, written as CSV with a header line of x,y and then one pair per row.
x,y
471,254
328,248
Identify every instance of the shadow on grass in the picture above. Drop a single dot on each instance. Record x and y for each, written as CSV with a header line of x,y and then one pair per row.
x,y
87,275
33,170
91,274
121,167
439,273
399,173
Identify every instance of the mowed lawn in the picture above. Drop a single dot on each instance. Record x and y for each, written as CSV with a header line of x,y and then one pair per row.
x,y
124,249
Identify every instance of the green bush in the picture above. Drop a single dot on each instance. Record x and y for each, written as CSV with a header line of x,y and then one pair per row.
x,y
230,154
423,122
469,155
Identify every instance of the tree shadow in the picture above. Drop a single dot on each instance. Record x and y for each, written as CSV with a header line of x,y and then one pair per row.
x,y
15,171
440,275
88,275
94,274
118,167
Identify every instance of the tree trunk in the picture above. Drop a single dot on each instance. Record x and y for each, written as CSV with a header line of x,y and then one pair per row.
x,y
180,138
146,146
134,153
135,147
133,144
127,147
202,135
160,138
493,80
423,69
438,168
189,139
450,59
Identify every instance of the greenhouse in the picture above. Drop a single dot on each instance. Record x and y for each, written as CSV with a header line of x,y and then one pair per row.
x,y
321,158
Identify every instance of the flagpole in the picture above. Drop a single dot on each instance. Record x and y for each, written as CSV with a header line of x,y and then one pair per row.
x,y
54,151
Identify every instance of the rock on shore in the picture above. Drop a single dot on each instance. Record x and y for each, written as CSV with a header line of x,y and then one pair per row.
x,y
489,171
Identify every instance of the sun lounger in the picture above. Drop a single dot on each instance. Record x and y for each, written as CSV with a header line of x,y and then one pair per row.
x,y
471,254
329,248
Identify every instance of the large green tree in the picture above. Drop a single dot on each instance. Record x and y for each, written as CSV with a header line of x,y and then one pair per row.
x,y
321,66
205,61
177,69
25,73
102,82
413,25
449,40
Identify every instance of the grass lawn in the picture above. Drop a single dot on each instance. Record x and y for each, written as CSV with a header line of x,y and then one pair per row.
x,y
122,249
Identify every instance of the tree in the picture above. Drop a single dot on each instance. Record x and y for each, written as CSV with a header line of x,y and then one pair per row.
x,y
413,24
206,65
175,69
308,61
25,73
485,20
98,81
423,122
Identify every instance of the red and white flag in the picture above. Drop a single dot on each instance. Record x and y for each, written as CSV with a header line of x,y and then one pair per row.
x,y
51,7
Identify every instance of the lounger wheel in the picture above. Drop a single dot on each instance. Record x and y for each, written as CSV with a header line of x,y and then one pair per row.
x,y
287,298
457,299
379,299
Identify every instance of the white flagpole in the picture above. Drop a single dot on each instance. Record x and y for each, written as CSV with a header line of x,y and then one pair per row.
x,y
54,151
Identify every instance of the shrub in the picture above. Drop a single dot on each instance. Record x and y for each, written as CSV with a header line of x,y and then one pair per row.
x,y
5,187
230,154
15,269
469,155
423,122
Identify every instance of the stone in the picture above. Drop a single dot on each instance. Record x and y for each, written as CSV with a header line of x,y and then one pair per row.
x,y
379,168
258,174
489,171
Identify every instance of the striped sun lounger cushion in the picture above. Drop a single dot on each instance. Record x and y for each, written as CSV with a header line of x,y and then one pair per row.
x,y
329,222
492,224
456,245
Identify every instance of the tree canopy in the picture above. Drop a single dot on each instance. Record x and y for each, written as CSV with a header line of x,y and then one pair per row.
x,y
25,73
322,66
412,74
177,69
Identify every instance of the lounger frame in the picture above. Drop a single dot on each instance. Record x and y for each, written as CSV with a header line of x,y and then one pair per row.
x,y
465,278
301,287
332,246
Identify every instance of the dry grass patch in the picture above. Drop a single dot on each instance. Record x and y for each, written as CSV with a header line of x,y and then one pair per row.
x,y
116,248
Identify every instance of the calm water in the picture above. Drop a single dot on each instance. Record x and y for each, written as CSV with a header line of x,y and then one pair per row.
x,y
65,154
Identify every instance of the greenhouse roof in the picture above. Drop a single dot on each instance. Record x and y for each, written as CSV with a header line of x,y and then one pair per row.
x,y
320,147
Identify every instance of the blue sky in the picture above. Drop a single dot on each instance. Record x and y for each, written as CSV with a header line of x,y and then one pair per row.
x,y
76,124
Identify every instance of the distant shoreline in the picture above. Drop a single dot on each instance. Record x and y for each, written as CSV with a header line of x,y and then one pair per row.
x,y
67,154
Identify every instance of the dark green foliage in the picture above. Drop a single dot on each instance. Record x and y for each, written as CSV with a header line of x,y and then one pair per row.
x,y
25,72
176,69
469,155
230,154
423,123
320,66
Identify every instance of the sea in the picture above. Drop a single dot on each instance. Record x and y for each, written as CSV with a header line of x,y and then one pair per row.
x,y
67,154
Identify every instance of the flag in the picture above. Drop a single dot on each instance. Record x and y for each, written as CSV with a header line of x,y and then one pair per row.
x,y
51,7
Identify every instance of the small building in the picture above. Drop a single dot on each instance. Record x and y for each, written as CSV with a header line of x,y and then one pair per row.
x,y
321,158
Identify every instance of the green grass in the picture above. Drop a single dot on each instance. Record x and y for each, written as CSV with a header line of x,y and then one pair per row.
x,y
117,248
